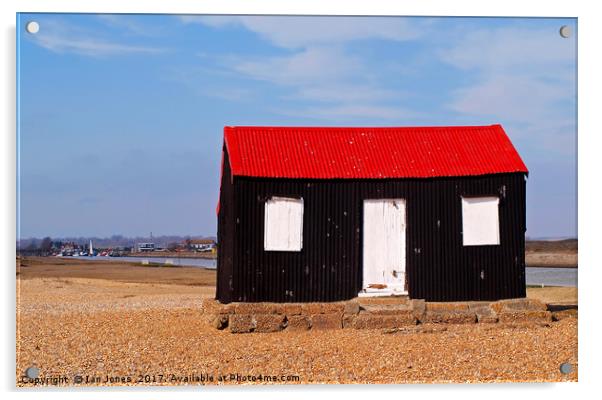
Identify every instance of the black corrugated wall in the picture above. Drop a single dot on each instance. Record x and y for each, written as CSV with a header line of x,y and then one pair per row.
x,y
329,267
226,235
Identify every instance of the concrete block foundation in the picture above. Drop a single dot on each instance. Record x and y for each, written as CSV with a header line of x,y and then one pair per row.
x,y
370,313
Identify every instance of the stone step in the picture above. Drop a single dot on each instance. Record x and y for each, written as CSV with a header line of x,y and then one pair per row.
x,y
522,316
485,314
384,300
378,321
455,306
386,309
513,305
449,317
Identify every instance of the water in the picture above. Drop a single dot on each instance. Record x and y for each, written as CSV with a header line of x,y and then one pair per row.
x,y
534,276
188,262
552,276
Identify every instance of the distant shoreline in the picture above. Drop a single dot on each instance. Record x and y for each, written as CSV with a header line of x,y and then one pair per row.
x,y
551,257
161,254
533,260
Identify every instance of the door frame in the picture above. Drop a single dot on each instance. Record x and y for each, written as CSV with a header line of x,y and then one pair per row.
x,y
390,289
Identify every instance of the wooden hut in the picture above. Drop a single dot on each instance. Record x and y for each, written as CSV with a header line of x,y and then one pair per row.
x,y
326,214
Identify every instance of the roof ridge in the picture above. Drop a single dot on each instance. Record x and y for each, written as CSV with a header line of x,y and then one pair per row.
x,y
416,152
358,127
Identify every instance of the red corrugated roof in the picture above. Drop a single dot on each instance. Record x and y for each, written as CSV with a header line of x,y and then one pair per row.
x,y
404,152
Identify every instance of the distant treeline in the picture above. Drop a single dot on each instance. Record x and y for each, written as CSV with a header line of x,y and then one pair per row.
x,y
47,243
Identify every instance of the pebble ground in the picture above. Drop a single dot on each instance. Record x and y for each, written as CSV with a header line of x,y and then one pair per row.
x,y
153,334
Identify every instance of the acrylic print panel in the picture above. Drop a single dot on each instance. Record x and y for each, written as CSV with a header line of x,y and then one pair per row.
x,y
120,140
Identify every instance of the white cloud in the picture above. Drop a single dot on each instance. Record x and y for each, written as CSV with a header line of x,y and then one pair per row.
x,y
355,111
90,47
62,38
352,92
341,83
520,98
128,24
522,78
552,136
506,49
311,66
297,32
320,66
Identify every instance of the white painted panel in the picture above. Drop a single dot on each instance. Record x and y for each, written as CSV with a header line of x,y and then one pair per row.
x,y
480,221
384,243
283,229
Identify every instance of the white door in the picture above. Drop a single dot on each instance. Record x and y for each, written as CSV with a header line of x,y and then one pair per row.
x,y
384,245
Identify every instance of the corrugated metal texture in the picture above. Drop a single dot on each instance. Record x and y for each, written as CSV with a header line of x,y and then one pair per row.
x,y
226,234
355,153
329,267
325,269
457,272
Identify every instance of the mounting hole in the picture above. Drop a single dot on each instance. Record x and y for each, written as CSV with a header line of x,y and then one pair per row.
x,y
32,372
565,31
32,27
566,368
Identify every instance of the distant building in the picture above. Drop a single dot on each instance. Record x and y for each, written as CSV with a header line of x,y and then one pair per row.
x,y
201,244
144,247
69,249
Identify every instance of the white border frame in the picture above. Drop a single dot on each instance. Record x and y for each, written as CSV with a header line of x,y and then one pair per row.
x,y
589,85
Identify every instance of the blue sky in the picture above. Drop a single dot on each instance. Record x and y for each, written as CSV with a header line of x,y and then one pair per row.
x,y
121,116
